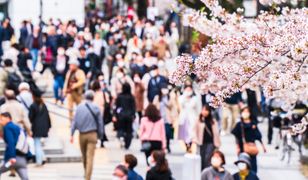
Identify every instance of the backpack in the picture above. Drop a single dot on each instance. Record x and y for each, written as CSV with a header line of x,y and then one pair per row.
x,y
22,143
13,81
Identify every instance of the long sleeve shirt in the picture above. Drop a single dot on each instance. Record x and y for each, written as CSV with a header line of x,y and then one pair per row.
x,y
84,121
10,137
150,131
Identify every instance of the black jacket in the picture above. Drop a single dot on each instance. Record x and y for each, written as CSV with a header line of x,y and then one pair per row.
x,y
153,174
40,120
125,111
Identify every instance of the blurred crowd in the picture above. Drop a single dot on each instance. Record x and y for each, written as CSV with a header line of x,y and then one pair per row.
x,y
116,71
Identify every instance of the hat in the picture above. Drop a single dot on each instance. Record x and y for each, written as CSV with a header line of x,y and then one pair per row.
x,y
23,86
73,61
245,158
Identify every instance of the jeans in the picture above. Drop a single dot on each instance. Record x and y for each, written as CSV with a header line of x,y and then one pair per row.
x,y
20,166
39,153
253,162
58,86
34,54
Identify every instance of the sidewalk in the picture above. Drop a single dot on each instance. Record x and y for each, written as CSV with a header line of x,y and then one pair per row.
x,y
270,167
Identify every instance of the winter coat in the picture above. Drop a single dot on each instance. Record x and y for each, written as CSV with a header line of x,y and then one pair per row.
x,y
40,120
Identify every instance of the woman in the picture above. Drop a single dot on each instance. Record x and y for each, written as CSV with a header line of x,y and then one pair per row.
x,y
100,100
139,94
206,136
152,130
125,113
59,69
216,170
246,133
244,165
190,107
160,169
40,120
162,102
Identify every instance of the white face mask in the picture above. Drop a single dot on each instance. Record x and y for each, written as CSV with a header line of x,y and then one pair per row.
x,y
165,91
137,79
115,178
216,162
245,115
187,93
120,75
121,63
242,166
151,162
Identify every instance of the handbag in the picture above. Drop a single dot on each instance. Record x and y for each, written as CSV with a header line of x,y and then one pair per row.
x,y
248,147
146,145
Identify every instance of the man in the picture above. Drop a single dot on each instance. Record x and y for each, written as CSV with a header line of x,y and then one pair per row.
x,y
74,85
12,157
231,112
25,96
155,83
120,173
16,110
88,121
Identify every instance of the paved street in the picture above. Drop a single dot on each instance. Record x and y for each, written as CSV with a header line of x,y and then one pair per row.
x,y
270,167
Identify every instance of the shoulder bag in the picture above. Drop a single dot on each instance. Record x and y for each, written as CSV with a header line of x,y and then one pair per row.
x,y
146,145
100,135
248,147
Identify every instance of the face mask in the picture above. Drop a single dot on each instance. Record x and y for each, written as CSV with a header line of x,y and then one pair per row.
x,y
187,93
136,79
153,73
165,91
216,162
121,64
242,166
245,115
120,75
115,178
151,162
61,52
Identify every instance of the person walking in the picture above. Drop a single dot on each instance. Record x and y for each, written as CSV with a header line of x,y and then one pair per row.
x,y
206,135
190,108
88,121
246,133
41,124
16,110
74,85
244,165
25,96
152,131
125,113
216,170
13,158
160,168
230,112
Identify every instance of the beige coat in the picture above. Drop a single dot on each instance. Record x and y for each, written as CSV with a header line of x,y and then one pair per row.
x,y
199,130
79,85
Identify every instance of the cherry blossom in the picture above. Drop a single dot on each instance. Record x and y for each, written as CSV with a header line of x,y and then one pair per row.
x,y
270,51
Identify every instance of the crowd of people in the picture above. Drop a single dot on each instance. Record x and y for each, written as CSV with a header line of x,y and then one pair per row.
x,y
116,71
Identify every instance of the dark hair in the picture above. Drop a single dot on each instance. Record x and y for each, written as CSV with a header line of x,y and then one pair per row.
x,y
123,169
6,114
209,117
126,89
161,161
38,100
243,109
8,63
131,160
221,155
152,113
95,86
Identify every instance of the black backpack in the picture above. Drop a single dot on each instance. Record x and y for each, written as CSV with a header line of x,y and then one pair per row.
x,y
13,81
